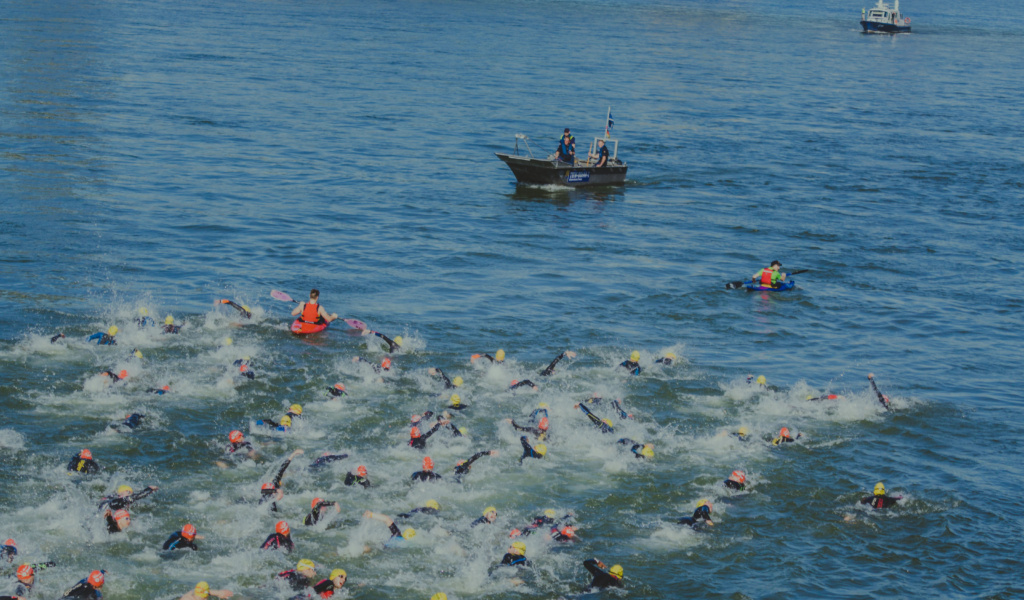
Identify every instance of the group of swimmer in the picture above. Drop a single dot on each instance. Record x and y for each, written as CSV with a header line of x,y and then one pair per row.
x,y
534,427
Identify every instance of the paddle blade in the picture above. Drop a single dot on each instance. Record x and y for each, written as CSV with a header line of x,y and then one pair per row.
x,y
799,272
275,294
355,323
732,285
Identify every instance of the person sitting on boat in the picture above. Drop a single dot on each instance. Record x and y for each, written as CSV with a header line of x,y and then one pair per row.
x,y
566,148
769,277
601,156
311,312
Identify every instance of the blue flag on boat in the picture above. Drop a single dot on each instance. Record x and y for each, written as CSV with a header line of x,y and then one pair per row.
x,y
611,121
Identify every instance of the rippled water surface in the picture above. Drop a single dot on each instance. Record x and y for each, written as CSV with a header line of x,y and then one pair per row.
x,y
168,155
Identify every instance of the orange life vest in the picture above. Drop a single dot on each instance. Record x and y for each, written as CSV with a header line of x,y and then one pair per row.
x,y
766,277
310,313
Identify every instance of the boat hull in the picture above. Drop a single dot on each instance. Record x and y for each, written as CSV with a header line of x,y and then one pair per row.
x,y
535,171
874,27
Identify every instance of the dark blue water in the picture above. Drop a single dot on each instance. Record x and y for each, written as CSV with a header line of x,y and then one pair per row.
x,y
167,156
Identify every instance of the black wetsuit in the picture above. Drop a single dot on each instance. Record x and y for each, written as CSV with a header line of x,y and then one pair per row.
x,y
514,560
83,590
83,465
544,521
116,502
112,526
447,382
145,321
234,447
171,328
157,391
633,367
54,339
741,437
376,368
492,359
267,495
8,552
335,392
882,398
276,541
551,368
296,580
326,459
426,510
734,485
700,516
605,428
537,432
238,307
179,542
391,343
352,479
420,443
316,514
132,421
523,383
528,451
785,439
664,361
464,468
425,476
882,501
481,521
635,447
602,579
618,408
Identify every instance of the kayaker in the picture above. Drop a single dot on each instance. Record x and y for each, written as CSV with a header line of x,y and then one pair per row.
x,y
770,276
311,312
566,148
601,155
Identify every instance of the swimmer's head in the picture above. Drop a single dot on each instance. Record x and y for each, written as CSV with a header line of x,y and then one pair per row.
x,y
432,504
743,431
25,573
738,476
314,502
491,513
95,579
670,355
544,405
456,400
85,453
761,380
879,489
616,571
457,382
386,364
282,528
124,490
518,548
541,449
784,432
647,451
361,471
634,356
705,503
428,463
235,437
305,565
228,341
550,513
143,311
169,320
338,574
398,340
286,421
188,532
499,355
112,331
295,409
409,533
202,590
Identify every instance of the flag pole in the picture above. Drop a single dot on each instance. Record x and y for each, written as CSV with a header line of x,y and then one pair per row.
x,y
607,133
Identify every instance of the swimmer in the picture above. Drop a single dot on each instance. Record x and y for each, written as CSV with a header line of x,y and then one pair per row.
x,y
202,591
530,451
742,434
602,579
325,459
701,516
516,384
540,431
455,403
86,589
666,360
618,408
737,481
359,477
184,539
633,363
272,492
317,506
545,520
26,580
605,425
761,381
242,309
448,383
427,474
563,535
539,413
882,398
104,339
8,550
463,466
294,412
515,556
238,447
813,398
490,515
430,507
551,367
301,577
113,378
117,521
129,423
880,499
397,535
144,320
385,365
169,326
59,336
125,497
159,391
785,438
337,390
419,440
639,449
245,367
83,463
393,344
499,357
281,539
312,313
326,588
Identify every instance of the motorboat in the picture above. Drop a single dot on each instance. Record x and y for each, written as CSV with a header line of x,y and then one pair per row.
x,y
883,18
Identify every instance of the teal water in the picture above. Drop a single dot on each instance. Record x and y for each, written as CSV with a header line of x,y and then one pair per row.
x,y
168,156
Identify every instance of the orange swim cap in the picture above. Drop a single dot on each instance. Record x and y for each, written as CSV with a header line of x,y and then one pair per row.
x,y
243,368
568,531
784,432
188,531
85,453
96,579
428,463
166,388
315,501
514,381
282,528
25,571
361,471
122,374
340,387
386,363
268,486
122,514
9,542
739,476
235,436
514,533
543,425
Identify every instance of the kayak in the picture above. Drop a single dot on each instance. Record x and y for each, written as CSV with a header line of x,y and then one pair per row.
x,y
785,285
300,327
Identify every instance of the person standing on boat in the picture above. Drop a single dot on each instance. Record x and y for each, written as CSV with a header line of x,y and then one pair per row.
x,y
769,277
311,312
566,148
601,156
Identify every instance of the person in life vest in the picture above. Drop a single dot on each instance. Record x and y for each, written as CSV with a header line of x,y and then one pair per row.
x,y
769,277
311,312
566,148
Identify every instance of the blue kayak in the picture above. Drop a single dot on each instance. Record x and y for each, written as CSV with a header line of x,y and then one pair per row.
x,y
785,285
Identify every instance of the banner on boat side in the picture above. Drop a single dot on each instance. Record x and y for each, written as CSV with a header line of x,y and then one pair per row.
x,y
578,177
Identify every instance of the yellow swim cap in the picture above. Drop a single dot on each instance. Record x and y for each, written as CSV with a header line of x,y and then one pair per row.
x,y
550,513
305,564
616,570
137,353
295,408
499,355
398,340
169,320
122,489
543,405
228,341
701,503
464,430
647,452
541,449
634,356
432,504
490,509
439,596
409,533
761,380
520,546
112,330
202,589
670,355
246,308
456,400
457,382
743,431
338,573
286,421
143,312
607,422
879,489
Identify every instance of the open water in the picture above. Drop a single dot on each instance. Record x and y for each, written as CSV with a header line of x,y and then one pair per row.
x,y
166,155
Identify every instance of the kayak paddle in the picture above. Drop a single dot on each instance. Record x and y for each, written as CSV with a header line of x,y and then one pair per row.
x,y
732,285
283,297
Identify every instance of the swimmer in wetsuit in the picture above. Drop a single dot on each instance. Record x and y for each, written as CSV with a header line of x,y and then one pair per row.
x,y
427,474
397,535
113,378
666,360
742,434
737,481
605,425
325,459
785,438
430,507
516,384
602,579
639,449
26,580
540,431
59,336
385,365
159,391
242,309
272,492
83,463
419,440
455,403
301,577
184,539
8,550
294,412
337,390
281,539
499,357
125,497
359,477
245,365
326,588
169,326
463,466
448,383
237,448
316,513
548,519
202,591
538,451
144,320
130,422
633,364
880,499
882,398
551,367
490,515
86,589
117,521
393,344
104,339
515,556
701,516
